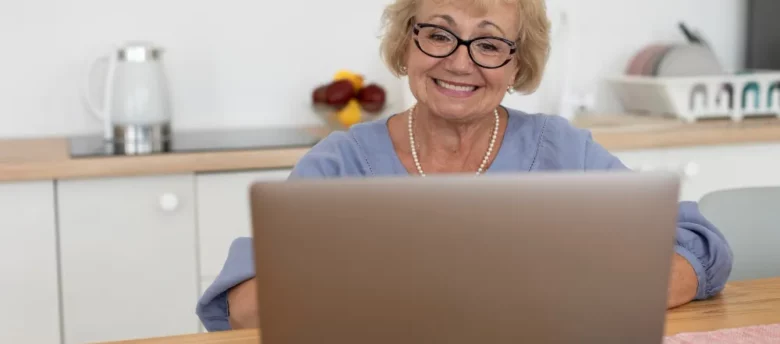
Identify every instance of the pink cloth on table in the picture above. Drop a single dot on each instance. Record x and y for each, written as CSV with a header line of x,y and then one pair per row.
x,y
764,334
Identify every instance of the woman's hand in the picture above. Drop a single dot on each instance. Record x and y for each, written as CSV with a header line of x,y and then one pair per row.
x,y
242,305
682,284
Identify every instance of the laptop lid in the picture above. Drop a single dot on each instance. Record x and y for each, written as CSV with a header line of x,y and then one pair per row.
x,y
532,258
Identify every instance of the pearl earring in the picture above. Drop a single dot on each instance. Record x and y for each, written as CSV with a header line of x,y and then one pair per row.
x,y
403,69
510,89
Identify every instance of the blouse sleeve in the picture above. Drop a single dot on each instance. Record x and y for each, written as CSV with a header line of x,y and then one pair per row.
x,y
697,239
322,161
212,308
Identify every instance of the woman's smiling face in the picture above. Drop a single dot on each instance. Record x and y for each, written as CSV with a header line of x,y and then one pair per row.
x,y
455,87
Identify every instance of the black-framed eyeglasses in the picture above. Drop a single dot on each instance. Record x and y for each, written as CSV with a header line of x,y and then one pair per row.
x,y
487,51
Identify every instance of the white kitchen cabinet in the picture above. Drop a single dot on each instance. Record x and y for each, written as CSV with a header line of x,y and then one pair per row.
x,y
28,250
709,168
128,257
223,213
726,167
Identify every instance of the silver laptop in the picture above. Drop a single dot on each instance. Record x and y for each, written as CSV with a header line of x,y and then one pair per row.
x,y
523,258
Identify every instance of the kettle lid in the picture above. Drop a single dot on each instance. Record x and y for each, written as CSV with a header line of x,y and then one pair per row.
x,y
139,51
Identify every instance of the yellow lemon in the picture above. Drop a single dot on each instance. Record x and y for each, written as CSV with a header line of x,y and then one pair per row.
x,y
350,114
355,79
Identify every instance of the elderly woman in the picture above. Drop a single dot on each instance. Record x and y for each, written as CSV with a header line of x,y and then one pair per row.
x,y
461,58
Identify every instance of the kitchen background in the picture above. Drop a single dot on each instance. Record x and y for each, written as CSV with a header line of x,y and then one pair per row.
x,y
246,63
121,247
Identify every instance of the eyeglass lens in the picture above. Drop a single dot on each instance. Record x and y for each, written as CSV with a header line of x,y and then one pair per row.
x,y
488,52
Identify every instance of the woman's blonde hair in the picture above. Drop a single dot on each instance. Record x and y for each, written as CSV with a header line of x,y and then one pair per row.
x,y
533,42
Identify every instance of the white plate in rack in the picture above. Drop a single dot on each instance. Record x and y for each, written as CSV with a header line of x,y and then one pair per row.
x,y
690,60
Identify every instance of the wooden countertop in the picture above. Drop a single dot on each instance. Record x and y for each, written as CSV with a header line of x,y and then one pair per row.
x,y
741,304
36,159
48,158
626,132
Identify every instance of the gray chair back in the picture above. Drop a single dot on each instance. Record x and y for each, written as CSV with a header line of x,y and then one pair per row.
x,y
749,218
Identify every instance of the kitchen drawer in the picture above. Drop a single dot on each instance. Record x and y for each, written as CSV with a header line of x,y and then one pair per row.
x,y
223,213
709,168
643,160
724,167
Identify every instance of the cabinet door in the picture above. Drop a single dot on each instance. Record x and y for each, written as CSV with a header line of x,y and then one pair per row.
x,y
655,160
28,250
643,160
128,257
223,213
712,168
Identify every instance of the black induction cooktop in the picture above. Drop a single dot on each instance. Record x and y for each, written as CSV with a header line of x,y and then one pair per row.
x,y
199,141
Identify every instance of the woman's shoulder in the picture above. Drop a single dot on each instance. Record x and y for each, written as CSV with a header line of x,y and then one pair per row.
x,y
341,152
553,140
546,126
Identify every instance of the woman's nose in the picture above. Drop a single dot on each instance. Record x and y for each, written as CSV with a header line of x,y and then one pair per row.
x,y
460,61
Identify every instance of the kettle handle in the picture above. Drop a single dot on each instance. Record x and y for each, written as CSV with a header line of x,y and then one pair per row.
x,y
98,110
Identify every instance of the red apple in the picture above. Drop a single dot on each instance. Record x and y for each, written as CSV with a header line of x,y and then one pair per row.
x,y
319,96
338,93
372,98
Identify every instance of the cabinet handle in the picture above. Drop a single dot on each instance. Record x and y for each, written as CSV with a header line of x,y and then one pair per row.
x,y
169,201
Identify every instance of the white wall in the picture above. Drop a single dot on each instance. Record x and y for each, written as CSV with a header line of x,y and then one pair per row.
x,y
604,35
240,63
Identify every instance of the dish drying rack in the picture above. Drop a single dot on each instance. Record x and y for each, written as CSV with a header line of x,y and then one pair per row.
x,y
737,96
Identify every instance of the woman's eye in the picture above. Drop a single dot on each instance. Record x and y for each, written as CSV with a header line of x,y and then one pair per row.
x,y
488,47
439,37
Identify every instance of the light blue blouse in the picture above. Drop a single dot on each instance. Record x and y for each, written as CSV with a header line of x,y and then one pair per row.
x,y
531,143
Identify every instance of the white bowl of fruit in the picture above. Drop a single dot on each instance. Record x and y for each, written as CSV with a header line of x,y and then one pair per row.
x,y
347,100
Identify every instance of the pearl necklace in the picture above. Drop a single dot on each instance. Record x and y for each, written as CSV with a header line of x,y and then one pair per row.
x,y
484,160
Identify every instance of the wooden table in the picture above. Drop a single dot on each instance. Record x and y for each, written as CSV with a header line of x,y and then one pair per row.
x,y
741,304
745,303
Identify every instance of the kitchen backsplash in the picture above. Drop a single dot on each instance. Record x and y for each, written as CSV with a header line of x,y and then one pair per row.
x,y
249,63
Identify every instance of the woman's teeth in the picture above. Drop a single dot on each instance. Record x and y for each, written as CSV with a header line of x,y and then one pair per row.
x,y
455,87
